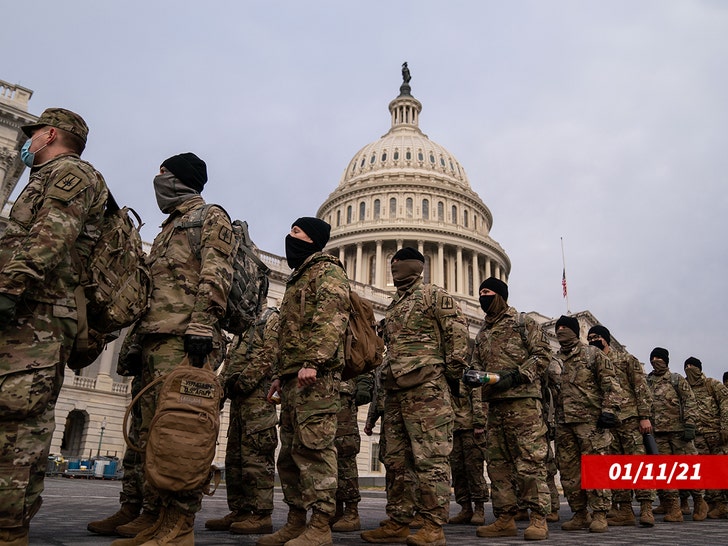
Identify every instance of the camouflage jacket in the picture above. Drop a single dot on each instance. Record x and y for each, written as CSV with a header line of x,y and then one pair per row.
x,y
503,346
585,387
633,380
426,335
314,315
190,294
60,208
468,409
711,398
251,360
673,402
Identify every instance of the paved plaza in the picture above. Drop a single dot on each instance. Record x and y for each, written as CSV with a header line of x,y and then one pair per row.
x,y
69,504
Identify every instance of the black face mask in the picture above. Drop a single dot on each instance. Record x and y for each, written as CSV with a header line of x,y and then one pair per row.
x,y
297,251
485,302
598,343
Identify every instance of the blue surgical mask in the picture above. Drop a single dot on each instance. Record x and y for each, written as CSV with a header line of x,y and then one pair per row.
x,y
26,155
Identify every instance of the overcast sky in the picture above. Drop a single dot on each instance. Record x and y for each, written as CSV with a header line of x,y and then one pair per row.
x,y
604,123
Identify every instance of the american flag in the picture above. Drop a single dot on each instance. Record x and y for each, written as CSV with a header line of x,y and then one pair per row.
x,y
563,281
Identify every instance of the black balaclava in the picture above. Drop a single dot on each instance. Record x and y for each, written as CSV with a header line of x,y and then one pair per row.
x,y
602,332
486,302
407,266
297,250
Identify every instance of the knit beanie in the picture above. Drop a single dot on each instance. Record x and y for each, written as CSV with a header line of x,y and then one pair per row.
x,y
497,286
318,230
408,253
569,322
692,361
659,352
601,331
189,169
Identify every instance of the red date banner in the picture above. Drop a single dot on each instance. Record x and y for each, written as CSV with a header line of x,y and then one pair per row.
x,y
654,471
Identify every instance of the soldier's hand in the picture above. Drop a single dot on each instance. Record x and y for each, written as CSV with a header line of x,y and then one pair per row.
x,y
689,432
363,395
198,347
8,304
274,393
607,420
306,377
508,380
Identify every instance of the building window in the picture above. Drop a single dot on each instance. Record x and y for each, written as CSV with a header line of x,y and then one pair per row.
x,y
465,217
372,270
384,156
377,206
408,206
338,218
392,208
376,464
470,280
420,156
396,155
432,158
373,159
427,271
408,155
362,211
440,211
348,214
454,214
425,209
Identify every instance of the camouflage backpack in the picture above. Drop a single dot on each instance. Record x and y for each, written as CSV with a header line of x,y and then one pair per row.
x,y
249,288
183,433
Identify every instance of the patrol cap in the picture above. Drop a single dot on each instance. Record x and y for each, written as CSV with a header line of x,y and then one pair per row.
x,y
61,119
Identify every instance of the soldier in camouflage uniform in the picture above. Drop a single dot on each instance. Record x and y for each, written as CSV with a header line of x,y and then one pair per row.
x,y
587,398
56,214
352,394
711,397
634,412
427,346
468,457
314,316
514,347
675,420
252,437
189,298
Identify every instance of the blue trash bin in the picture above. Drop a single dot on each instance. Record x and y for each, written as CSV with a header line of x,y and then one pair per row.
x,y
110,469
74,465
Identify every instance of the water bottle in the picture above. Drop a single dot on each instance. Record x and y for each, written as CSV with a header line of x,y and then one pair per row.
x,y
650,444
477,378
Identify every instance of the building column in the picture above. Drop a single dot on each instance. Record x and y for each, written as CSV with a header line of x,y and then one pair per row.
x,y
441,264
378,266
476,274
358,271
487,268
459,288
496,271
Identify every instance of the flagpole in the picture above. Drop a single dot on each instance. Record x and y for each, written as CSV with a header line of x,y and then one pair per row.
x,y
563,278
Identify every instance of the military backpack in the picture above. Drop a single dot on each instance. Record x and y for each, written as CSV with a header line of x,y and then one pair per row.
x,y
363,348
249,288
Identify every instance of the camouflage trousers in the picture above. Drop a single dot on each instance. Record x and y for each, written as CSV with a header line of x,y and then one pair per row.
x,y
516,450
250,460
132,483
417,425
672,443
467,464
307,464
710,444
572,441
551,470
627,440
33,353
348,445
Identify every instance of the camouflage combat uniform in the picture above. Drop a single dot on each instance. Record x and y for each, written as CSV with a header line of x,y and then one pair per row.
x,y
711,398
427,342
314,315
516,443
674,406
584,385
189,297
635,406
58,210
252,436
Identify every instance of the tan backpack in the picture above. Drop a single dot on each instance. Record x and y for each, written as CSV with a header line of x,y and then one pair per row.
x,y
363,348
183,433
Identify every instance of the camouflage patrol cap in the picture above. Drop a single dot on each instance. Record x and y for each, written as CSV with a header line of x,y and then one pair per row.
x,y
61,119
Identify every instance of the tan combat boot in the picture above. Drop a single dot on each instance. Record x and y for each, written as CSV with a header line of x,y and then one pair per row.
x,y
14,536
126,513
317,532
177,529
624,516
145,535
349,521
431,534
673,514
661,508
685,506
580,520
466,513
224,523
553,516
504,526
599,522
253,524
295,525
613,511
478,517
339,512
538,529
521,515
647,519
719,511
417,522
700,508
142,522
390,532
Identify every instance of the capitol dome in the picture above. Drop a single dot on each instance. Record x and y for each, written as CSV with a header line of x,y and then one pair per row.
x,y
406,190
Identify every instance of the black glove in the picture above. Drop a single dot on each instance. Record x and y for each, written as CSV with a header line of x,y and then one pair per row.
x,y
231,386
607,420
198,347
688,433
454,385
363,395
473,378
8,304
508,380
